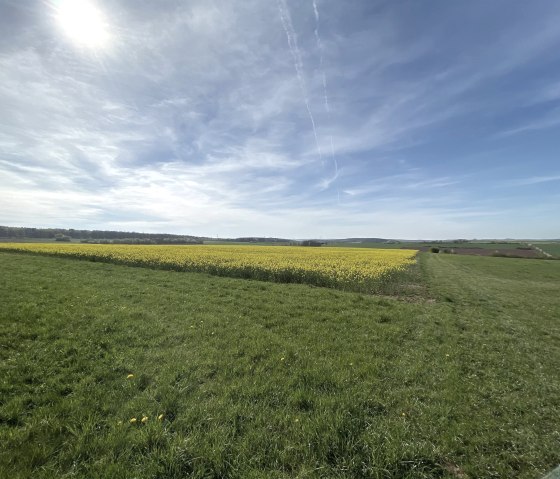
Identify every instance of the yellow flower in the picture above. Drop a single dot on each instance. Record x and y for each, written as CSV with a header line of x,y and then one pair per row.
x,y
130,376
160,417
281,359
144,419
133,420
327,266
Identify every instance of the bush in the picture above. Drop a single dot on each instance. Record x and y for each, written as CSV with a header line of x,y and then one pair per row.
x,y
61,237
433,249
311,243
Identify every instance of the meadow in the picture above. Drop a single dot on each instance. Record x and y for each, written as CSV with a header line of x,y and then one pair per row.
x,y
115,371
426,244
550,248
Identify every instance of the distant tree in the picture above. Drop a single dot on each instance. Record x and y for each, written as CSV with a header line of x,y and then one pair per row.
x,y
311,243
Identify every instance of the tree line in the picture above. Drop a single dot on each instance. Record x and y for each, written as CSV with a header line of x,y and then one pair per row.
x,y
96,236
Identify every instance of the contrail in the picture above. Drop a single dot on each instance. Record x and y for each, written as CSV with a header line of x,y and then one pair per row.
x,y
320,48
316,11
325,89
298,63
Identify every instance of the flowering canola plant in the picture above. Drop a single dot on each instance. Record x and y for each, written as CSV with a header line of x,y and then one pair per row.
x,y
346,268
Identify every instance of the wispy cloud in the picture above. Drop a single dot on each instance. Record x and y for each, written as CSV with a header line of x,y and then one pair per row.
x,y
532,180
549,120
403,183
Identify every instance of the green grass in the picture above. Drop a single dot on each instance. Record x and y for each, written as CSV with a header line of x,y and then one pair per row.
x,y
250,243
37,240
277,381
550,248
420,244
371,244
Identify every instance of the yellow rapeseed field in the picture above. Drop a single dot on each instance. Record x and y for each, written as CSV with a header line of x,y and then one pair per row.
x,y
346,268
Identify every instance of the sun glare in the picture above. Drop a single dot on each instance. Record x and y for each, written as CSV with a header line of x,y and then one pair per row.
x,y
83,22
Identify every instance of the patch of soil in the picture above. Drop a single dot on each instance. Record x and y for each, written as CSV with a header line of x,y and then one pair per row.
x,y
455,470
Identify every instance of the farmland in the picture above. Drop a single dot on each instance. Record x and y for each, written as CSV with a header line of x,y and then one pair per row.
x,y
259,379
513,249
550,248
344,268
502,245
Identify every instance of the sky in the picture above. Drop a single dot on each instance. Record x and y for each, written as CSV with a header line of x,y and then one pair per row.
x,y
286,118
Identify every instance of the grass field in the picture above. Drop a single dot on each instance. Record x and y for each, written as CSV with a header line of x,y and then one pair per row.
x,y
266,380
422,244
34,240
550,248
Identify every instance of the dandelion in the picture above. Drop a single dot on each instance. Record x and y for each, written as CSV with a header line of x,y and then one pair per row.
x,y
404,414
160,417
296,419
119,423
144,419
130,376
133,420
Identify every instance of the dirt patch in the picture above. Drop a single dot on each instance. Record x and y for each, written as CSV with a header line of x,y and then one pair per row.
x,y
455,470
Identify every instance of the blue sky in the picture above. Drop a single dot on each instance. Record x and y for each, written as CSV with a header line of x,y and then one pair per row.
x,y
325,118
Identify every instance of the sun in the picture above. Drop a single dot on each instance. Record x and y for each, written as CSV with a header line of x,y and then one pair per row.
x,y
83,22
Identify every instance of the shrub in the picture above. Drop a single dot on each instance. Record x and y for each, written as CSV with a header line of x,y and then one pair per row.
x,y
311,243
433,249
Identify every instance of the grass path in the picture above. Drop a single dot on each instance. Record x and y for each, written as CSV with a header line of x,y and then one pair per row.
x,y
271,380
